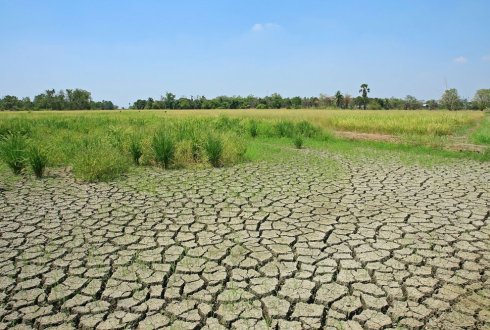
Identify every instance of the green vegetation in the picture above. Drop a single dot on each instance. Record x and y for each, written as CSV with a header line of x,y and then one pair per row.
x,y
163,146
298,141
135,148
38,161
482,133
103,145
98,161
13,152
214,150
79,99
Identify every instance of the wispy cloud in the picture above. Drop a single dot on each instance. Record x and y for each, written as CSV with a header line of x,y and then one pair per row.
x,y
259,27
461,60
486,58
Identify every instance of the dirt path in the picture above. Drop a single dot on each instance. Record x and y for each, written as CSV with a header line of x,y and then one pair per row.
x,y
455,144
282,246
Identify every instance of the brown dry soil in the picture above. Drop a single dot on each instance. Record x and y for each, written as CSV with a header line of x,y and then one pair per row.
x,y
375,245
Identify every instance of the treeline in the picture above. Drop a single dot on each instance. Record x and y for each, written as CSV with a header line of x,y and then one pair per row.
x,y
69,99
449,100
79,99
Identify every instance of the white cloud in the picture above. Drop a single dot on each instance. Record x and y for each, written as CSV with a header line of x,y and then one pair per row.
x,y
461,60
486,58
259,27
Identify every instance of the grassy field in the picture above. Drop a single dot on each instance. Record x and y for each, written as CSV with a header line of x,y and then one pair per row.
x,y
101,145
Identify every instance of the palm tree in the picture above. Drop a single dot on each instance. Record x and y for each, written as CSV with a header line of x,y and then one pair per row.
x,y
364,92
339,99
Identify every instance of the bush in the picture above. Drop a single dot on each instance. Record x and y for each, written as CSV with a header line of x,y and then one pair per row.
x,y
214,150
38,161
298,141
135,149
99,163
13,152
163,146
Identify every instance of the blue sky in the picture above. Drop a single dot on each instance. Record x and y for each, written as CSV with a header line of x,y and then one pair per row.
x,y
123,50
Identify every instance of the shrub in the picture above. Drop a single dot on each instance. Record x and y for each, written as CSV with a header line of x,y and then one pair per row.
x,y
99,163
214,150
13,152
163,146
38,161
135,149
298,141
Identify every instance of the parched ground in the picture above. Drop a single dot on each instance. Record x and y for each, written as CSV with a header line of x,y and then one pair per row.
x,y
373,245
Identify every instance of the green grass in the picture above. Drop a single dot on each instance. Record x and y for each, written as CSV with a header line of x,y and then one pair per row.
x,y
163,146
100,162
37,160
103,145
482,134
13,151
214,150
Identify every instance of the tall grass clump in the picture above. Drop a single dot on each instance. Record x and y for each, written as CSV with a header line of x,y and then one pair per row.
x,y
307,130
284,128
225,123
13,148
163,146
253,128
214,150
99,162
298,141
135,148
38,160
16,126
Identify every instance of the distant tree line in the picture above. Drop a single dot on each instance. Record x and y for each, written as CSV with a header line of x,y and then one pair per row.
x,y
79,99
449,100
69,99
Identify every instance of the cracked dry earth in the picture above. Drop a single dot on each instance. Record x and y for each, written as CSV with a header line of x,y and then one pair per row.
x,y
377,245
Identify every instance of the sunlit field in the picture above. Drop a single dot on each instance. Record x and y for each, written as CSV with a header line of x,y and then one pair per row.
x,y
101,145
396,122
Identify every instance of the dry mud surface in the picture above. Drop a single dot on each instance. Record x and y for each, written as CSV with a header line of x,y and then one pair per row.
x,y
377,245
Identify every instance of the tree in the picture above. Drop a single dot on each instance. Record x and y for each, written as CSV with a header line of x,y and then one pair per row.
x,y
364,93
411,103
10,102
139,104
482,99
339,99
347,101
78,99
169,100
296,102
432,104
451,100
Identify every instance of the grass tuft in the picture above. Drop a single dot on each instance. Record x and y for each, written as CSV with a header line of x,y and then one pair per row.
x,y
253,128
38,161
135,148
298,141
214,150
100,162
13,152
163,146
